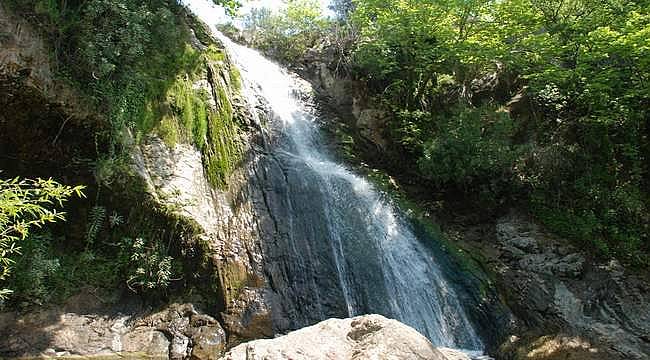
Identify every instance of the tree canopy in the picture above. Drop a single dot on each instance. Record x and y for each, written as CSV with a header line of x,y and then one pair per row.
x,y
541,100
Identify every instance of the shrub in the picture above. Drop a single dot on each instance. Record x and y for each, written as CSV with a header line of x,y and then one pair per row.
x,y
34,271
470,147
25,204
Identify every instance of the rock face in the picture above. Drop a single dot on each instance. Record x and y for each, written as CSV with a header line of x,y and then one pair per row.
x,y
346,96
359,338
573,305
227,225
41,120
85,326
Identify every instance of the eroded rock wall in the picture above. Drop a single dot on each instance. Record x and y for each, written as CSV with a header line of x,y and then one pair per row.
x,y
42,121
569,302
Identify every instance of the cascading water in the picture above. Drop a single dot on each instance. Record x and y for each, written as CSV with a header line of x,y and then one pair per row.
x,y
337,221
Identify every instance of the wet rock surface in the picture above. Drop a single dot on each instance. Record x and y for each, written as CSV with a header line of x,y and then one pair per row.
x,y
567,303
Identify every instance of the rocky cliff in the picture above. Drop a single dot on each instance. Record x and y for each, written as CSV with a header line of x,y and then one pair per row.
x,y
214,231
231,237
224,209
566,302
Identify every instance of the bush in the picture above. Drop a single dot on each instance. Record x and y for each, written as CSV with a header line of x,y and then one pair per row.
x,y
471,147
34,272
288,35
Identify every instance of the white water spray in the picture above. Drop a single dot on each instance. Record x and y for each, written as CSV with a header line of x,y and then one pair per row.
x,y
382,266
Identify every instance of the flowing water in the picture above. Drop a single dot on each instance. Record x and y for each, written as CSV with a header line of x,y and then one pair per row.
x,y
338,221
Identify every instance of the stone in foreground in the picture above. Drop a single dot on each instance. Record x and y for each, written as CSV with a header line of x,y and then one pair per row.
x,y
359,338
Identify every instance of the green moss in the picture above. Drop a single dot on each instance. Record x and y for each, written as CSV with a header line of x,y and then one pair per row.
x,y
235,78
182,114
200,127
168,131
201,31
214,54
223,150
144,82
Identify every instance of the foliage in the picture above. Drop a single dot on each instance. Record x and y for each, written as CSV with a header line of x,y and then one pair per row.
x,y
148,266
34,271
573,145
469,146
95,222
135,61
231,6
25,204
50,272
577,153
299,26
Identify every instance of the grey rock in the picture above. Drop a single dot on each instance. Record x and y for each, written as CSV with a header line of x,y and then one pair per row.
x,y
176,332
179,347
552,285
145,340
371,123
359,338
209,342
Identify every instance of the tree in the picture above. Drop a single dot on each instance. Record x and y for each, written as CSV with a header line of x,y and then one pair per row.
x,y
231,6
288,34
583,66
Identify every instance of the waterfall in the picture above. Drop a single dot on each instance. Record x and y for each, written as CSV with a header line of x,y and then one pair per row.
x,y
350,244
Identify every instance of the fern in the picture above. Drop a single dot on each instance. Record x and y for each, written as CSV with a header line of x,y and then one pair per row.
x,y
150,268
115,220
96,220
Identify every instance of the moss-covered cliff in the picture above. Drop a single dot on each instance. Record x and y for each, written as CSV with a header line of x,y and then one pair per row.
x,y
137,102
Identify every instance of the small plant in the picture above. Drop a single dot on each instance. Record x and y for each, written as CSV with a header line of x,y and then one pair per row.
x,y
115,220
149,268
34,271
96,220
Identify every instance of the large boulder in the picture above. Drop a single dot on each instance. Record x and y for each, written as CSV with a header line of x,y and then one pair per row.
x,y
363,337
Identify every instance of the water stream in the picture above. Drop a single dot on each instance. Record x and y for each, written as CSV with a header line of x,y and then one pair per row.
x,y
338,222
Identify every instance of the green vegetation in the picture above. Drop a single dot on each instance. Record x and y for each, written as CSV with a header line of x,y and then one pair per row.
x,y
577,152
135,62
24,205
149,268
138,65
541,103
287,35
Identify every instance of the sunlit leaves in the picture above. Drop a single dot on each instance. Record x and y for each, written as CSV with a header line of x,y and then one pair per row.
x,y
583,68
231,6
25,204
291,32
